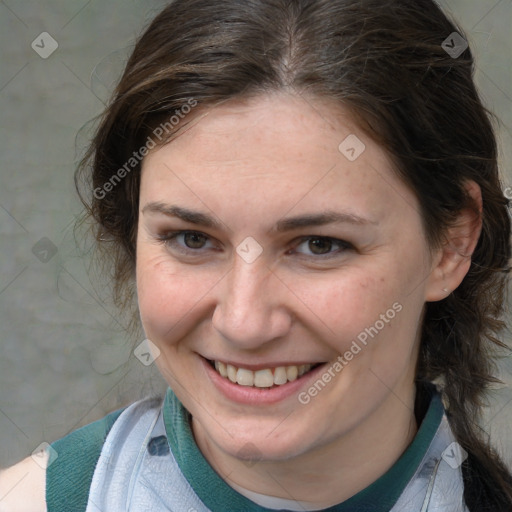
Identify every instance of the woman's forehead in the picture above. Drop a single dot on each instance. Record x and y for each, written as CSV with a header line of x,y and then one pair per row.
x,y
275,152
268,133
293,111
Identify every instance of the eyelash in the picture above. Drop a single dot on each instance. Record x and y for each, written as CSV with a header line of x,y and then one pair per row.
x,y
169,239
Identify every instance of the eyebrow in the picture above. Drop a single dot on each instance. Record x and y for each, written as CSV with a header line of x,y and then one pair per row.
x,y
283,225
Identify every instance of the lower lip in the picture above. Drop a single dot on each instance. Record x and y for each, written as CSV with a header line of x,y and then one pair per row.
x,y
259,396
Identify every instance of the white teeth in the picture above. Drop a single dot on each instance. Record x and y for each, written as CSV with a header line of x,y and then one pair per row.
x,y
231,373
245,377
221,368
304,369
265,378
280,375
292,373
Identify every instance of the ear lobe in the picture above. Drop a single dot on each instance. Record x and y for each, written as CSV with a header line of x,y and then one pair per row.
x,y
452,261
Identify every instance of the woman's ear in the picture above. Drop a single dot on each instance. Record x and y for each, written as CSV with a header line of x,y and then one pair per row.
x,y
452,260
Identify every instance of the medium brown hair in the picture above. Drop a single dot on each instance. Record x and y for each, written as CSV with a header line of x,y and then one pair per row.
x,y
384,60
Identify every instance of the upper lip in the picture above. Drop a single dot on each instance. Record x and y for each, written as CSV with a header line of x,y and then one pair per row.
x,y
260,366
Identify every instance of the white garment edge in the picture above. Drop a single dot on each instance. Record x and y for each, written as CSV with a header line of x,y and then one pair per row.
x,y
128,479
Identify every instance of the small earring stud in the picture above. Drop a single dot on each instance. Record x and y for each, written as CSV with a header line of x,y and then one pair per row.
x,y
445,290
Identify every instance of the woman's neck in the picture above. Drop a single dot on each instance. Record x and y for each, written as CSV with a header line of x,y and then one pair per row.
x,y
332,472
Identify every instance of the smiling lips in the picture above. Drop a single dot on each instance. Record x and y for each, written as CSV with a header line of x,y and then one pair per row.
x,y
264,378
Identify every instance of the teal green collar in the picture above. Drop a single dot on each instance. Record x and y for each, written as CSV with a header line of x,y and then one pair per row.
x,y
215,493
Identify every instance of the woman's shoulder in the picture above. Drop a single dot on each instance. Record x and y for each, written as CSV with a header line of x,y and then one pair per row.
x,y
22,486
72,463
62,471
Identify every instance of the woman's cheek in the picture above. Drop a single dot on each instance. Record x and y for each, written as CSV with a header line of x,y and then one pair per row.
x,y
170,298
350,299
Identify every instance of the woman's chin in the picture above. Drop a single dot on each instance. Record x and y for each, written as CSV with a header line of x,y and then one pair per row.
x,y
256,451
252,443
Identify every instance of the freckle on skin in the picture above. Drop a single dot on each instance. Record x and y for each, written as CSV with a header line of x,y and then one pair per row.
x,y
367,283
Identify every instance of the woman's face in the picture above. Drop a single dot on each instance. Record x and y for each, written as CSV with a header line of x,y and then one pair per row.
x,y
267,241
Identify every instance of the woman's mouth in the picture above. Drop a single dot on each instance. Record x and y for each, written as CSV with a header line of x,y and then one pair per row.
x,y
261,385
262,378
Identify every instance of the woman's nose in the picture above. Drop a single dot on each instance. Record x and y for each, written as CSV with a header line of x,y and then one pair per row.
x,y
251,307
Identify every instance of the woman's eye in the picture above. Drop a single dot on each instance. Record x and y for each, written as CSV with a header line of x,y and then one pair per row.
x,y
185,240
322,246
310,246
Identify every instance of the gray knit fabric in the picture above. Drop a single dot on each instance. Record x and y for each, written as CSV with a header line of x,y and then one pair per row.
x,y
128,478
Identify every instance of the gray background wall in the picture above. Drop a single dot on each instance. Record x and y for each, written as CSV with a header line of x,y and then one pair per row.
x,y
64,358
